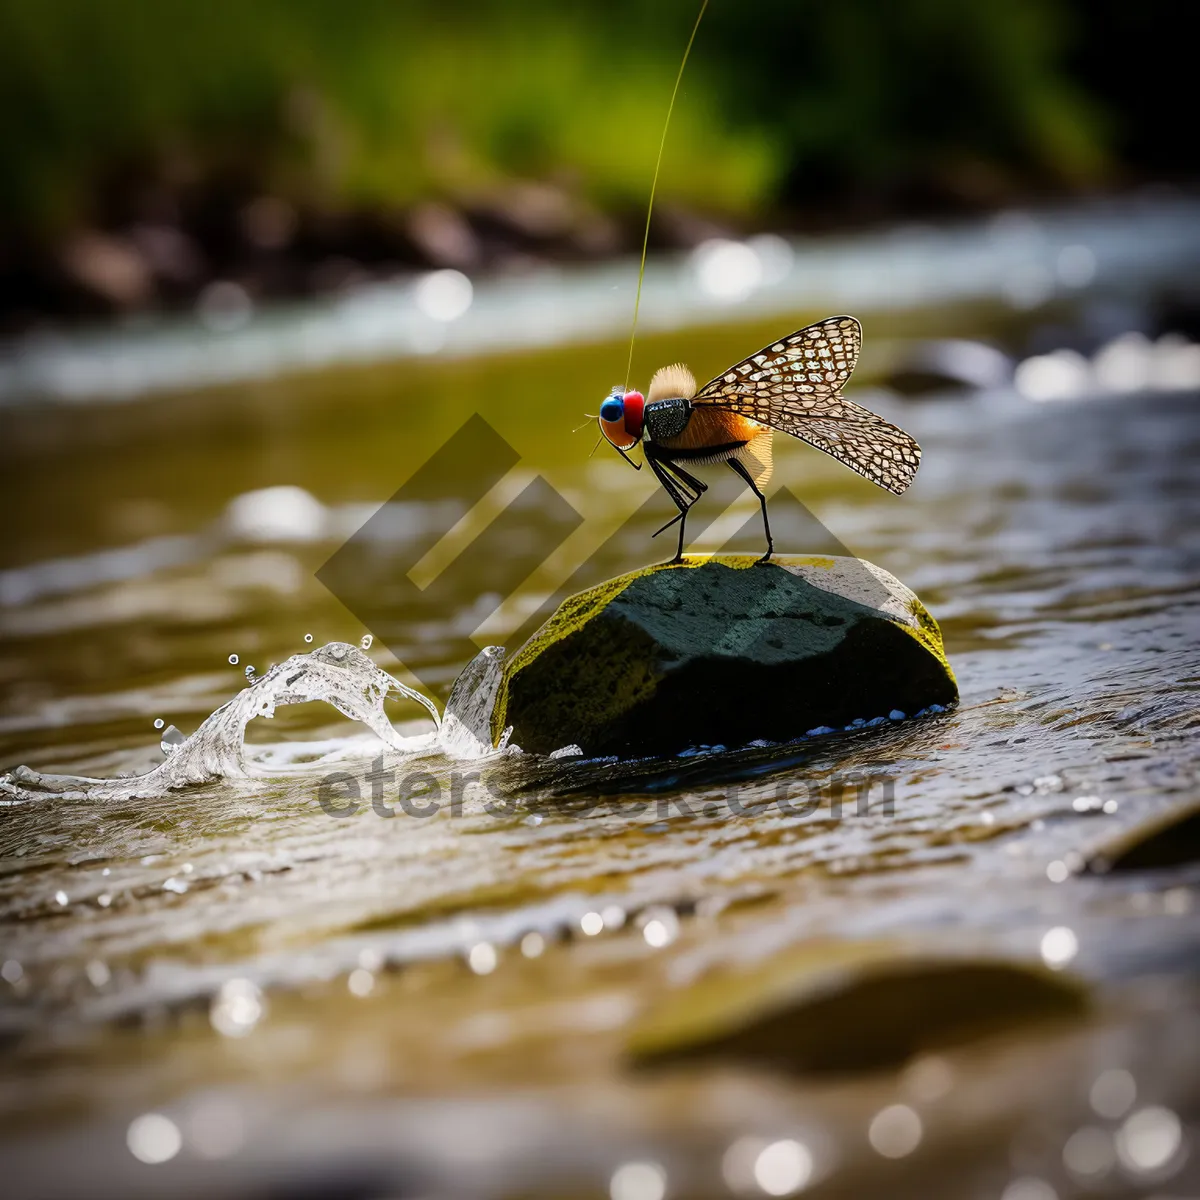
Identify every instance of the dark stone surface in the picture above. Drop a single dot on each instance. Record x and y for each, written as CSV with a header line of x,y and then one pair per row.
x,y
846,1008
723,651
1169,839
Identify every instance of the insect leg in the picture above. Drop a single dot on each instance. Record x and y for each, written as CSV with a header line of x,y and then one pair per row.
x,y
683,495
740,468
687,483
672,489
688,480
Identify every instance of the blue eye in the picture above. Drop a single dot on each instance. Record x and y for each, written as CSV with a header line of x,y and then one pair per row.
x,y
612,409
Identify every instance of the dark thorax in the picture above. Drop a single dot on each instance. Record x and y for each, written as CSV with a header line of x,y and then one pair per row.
x,y
667,418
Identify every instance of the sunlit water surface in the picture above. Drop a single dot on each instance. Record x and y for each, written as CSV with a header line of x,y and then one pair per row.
x,y
438,1005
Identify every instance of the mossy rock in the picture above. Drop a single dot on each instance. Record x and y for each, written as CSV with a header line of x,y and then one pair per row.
x,y
832,1008
1168,839
723,650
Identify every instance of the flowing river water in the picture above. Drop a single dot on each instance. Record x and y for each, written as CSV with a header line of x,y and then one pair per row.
x,y
234,986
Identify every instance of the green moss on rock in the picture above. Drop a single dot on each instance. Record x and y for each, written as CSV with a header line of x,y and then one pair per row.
x,y
723,650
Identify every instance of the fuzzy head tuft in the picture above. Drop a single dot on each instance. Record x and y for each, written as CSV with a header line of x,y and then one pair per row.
x,y
673,382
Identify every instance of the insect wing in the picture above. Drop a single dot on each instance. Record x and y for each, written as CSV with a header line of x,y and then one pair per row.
x,y
794,385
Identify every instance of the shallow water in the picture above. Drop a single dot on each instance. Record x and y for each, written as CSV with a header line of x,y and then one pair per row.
x,y
351,1002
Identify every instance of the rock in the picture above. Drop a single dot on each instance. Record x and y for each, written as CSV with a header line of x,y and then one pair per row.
x,y
832,1008
932,365
1170,839
110,267
444,236
723,651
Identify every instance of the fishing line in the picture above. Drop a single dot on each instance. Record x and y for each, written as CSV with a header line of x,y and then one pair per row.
x,y
637,301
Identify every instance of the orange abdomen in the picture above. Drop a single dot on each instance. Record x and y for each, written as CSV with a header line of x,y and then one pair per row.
x,y
713,427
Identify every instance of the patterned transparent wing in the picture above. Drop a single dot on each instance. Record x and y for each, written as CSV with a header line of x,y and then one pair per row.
x,y
794,385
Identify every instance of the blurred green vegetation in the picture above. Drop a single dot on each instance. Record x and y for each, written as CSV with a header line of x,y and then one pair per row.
x,y
343,104
377,103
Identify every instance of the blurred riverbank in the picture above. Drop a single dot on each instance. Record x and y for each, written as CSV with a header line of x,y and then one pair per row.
x,y
1128,261
182,157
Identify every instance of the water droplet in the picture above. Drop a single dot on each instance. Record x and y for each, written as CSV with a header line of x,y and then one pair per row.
x,y
482,958
249,670
233,660
236,1008
1149,1140
308,637
613,916
361,982
1059,946
1057,871
178,886
895,1131
443,295
591,923
367,640
739,1161
660,927
61,899
532,945
1089,1152
153,1138
171,740
159,722
783,1167
104,899
638,1181
1113,1093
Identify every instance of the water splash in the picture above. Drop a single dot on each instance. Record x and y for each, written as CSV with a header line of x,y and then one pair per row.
x,y
171,740
466,729
339,674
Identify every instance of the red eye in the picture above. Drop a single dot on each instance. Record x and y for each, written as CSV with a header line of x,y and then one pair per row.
x,y
635,405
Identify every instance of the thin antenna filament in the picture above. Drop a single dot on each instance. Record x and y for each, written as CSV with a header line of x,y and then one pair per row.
x,y
637,302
